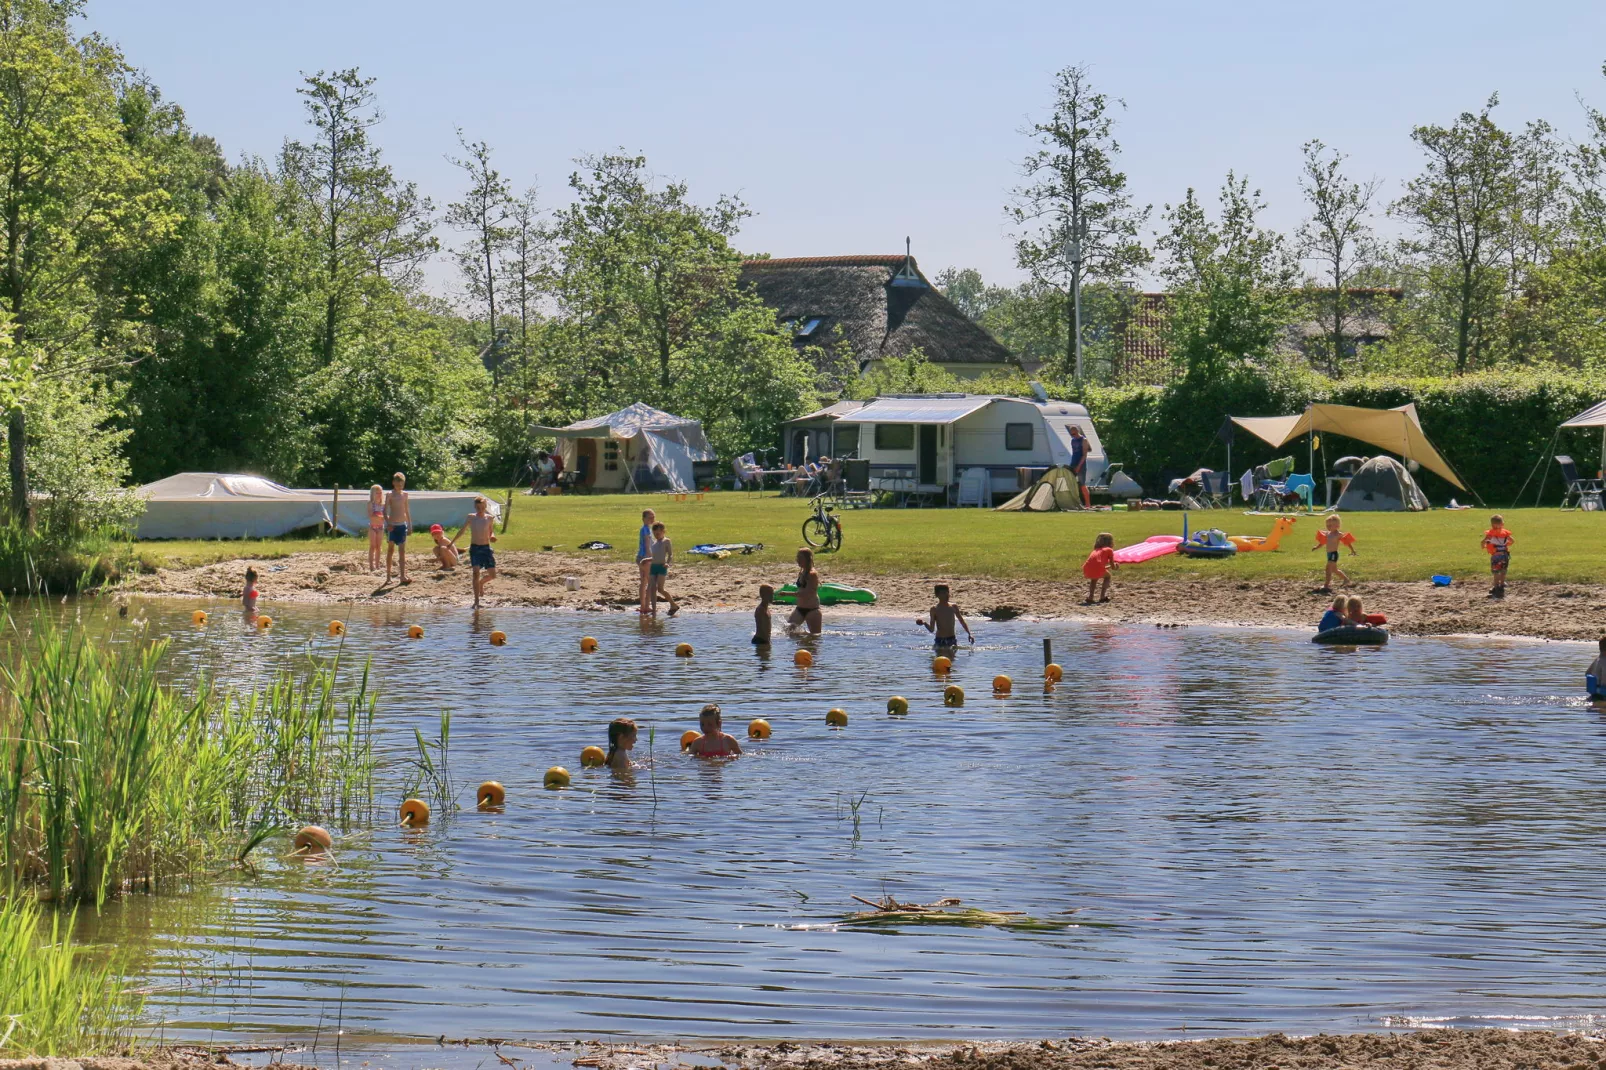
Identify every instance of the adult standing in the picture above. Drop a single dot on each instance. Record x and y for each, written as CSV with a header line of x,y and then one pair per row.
x,y
807,610
1079,463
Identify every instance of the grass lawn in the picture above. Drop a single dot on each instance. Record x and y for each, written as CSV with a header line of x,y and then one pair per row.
x,y
1551,545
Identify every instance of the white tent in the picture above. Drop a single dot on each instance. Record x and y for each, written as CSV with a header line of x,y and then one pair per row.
x,y
211,505
637,436
1594,416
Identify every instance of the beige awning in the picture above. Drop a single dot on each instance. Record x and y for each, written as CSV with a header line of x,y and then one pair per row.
x,y
1397,430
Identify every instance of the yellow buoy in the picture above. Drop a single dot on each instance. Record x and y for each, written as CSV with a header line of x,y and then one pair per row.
x,y
264,623
688,737
759,729
556,777
683,650
491,795
1003,684
802,659
1053,673
592,757
941,665
415,813
953,695
499,638
199,616
897,705
415,631
836,718
588,645
313,840
337,627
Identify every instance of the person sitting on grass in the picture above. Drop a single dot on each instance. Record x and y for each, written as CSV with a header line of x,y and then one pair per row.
x,y
713,743
940,622
1334,617
1098,566
445,550
1592,675
1331,538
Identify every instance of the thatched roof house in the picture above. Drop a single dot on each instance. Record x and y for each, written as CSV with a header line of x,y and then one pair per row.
x,y
883,306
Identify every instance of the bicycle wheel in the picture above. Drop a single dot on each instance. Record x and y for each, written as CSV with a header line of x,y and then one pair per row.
x,y
833,535
816,532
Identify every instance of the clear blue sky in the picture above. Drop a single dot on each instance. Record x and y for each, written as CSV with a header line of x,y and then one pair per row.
x,y
846,126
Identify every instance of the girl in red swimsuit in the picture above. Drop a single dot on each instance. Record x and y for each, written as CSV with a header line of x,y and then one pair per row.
x,y
713,743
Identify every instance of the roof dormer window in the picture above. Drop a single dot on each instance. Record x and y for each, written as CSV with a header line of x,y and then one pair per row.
x,y
805,327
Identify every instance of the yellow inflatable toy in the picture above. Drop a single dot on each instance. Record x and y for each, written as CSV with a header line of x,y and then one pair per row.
x,y
1279,527
498,638
199,616
264,623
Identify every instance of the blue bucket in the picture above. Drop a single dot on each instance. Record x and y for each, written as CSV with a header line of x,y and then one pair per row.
x,y
1441,580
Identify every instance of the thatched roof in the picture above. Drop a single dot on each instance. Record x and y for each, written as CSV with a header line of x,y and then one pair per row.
x,y
883,304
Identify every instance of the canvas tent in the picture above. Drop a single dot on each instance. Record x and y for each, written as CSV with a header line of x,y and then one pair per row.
x,y
1594,416
214,505
1397,430
1381,485
637,438
1054,491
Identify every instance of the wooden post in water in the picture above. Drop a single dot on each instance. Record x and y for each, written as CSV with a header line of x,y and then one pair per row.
x,y
1048,652
507,510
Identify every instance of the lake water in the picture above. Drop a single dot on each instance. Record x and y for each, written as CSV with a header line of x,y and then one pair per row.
x,y
1246,832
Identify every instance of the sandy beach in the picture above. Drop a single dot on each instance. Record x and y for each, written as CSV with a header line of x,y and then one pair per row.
x,y
1537,610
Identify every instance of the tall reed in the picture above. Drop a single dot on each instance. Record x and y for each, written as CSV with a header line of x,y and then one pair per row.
x,y
53,999
111,779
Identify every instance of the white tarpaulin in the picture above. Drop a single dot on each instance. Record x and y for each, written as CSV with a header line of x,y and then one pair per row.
x,y
1397,430
673,459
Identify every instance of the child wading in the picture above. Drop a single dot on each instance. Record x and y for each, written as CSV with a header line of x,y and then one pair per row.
x,y
1331,540
1592,675
713,743
1098,566
481,527
399,520
249,598
761,615
1498,541
662,555
644,558
940,621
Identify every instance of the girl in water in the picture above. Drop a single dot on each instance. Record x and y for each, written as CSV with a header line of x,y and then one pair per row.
x,y
376,525
713,743
621,738
808,594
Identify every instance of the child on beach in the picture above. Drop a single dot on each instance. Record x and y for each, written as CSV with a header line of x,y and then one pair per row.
x,y
376,525
1498,541
1335,617
761,616
662,554
1331,538
942,617
481,527
644,557
713,743
621,737
249,598
399,522
807,609
1592,675
445,550
1098,566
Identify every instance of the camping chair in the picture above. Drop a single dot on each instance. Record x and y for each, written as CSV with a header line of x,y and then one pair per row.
x,y
573,479
975,488
1577,492
748,475
1215,490
856,483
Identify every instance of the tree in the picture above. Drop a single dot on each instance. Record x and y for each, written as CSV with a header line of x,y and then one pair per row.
x,y
1462,206
1337,235
73,192
1074,198
1229,282
483,214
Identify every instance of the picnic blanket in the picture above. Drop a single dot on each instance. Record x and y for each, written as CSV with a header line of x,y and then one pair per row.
x,y
724,549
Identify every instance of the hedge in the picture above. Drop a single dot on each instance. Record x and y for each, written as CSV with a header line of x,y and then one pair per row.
x,y
1493,427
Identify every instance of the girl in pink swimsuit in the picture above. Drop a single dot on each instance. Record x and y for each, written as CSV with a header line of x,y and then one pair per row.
x,y
376,526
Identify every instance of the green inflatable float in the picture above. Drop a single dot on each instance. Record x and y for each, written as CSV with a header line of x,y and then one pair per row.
x,y
830,594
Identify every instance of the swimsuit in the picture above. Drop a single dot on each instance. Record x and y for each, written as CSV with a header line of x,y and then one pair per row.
x,y
376,517
480,555
1332,557
398,534
946,642
658,570
641,544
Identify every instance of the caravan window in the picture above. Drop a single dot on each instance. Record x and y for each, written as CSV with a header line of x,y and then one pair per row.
x,y
847,440
894,436
1017,436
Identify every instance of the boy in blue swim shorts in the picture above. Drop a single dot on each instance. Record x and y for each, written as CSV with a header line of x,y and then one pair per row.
x,y
481,527
940,622
398,523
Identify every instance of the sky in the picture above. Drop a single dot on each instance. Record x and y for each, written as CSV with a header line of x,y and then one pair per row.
x,y
848,126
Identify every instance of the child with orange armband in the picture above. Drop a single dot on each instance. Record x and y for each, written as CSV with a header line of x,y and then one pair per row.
x,y
1331,539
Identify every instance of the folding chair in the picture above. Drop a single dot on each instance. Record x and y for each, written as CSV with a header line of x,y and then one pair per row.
x,y
856,483
1216,488
1578,492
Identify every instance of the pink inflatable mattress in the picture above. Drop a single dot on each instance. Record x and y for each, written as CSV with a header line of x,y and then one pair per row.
x,y
1152,547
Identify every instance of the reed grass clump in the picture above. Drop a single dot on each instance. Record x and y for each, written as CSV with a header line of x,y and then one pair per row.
x,y
111,779
54,998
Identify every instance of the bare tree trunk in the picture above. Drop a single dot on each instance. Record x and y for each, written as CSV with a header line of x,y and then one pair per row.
x,y
17,446
1463,327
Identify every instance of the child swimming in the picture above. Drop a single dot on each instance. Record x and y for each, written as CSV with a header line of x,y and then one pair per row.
x,y
1098,566
761,615
1331,539
713,743
943,616
621,737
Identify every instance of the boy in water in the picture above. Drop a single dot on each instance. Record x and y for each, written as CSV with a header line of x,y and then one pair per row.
x,y
445,550
398,522
942,616
481,527
663,552
1592,675
1498,541
1332,539
761,616
713,743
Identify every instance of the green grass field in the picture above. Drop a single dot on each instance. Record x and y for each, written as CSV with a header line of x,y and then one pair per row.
x,y
1551,546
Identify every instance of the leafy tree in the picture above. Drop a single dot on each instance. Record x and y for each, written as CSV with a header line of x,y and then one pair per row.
x,y
1073,193
1338,236
912,373
73,192
483,214
1462,206
1230,282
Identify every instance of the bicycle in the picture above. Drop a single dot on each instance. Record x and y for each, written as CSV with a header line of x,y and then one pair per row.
x,y
823,530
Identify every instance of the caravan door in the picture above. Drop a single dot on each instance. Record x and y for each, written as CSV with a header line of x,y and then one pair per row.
x,y
926,472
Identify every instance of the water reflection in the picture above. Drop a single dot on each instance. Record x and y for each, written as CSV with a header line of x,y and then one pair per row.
x,y
1254,833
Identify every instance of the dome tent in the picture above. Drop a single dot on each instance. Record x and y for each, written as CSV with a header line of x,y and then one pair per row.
x,y
1056,490
1381,485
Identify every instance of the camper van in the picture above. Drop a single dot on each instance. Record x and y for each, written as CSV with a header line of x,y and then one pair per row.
x,y
926,442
